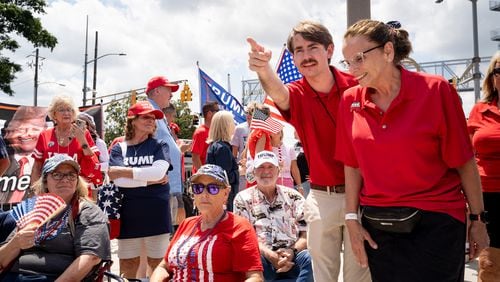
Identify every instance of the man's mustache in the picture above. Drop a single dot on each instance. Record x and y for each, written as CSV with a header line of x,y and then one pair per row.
x,y
307,61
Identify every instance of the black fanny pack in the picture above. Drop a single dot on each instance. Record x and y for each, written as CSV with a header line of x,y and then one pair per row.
x,y
392,219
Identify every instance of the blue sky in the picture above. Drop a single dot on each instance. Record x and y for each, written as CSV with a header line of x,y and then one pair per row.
x,y
169,37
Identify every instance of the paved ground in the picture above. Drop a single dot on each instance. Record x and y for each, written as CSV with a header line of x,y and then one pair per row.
x,y
470,268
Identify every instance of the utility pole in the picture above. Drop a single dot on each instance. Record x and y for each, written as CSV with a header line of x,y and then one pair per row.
x,y
37,66
95,71
35,94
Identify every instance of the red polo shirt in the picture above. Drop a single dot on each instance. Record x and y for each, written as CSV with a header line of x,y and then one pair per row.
x,y
407,154
199,144
315,127
484,126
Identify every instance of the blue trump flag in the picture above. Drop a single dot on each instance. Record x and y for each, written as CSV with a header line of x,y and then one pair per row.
x,y
211,91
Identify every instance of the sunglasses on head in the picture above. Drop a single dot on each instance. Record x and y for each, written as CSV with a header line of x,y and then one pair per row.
x,y
212,188
496,71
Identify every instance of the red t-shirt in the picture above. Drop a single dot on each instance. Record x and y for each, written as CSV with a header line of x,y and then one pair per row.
x,y
47,146
199,144
315,128
224,253
407,154
484,126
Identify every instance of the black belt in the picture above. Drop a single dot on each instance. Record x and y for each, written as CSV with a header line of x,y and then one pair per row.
x,y
339,189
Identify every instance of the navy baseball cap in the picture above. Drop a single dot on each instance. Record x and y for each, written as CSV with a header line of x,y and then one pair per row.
x,y
214,171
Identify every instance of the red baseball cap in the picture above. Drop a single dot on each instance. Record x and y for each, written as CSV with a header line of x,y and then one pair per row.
x,y
158,81
143,108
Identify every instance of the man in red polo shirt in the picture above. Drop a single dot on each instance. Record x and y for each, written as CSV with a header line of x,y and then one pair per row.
x,y
310,105
200,135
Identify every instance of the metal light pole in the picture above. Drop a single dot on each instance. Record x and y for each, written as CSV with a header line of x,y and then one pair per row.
x,y
85,63
476,60
95,70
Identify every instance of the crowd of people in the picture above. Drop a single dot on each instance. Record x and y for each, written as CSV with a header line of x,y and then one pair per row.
x,y
394,178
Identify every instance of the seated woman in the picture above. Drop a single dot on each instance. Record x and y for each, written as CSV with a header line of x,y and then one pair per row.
x,y
217,243
70,245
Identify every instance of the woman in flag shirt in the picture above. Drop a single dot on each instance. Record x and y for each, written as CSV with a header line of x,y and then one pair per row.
x,y
216,245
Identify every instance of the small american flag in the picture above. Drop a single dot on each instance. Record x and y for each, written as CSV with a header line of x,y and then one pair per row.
x,y
261,120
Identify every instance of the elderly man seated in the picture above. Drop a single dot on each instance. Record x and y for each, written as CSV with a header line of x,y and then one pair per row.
x,y
277,215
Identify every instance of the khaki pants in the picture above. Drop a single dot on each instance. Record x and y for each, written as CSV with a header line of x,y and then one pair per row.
x,y
326,232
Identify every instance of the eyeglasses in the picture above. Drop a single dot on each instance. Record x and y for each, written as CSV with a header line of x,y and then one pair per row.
x,y
71,176
358,59
496,71
62,110
212,188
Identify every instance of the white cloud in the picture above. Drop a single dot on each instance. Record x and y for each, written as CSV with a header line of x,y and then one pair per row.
x,y
169,37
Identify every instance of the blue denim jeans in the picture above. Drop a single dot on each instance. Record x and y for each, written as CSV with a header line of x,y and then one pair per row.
x,y
300,272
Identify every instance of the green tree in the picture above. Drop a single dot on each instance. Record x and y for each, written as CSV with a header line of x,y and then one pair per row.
x,y
184,119
16,17
116,118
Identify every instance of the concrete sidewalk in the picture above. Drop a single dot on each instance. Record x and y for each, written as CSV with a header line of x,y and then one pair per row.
x,y
470,267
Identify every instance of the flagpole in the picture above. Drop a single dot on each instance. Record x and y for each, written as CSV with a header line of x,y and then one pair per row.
x,y
199,84
281,57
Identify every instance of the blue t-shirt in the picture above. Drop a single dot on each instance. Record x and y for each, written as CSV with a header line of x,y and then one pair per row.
x,y
163,134
145,210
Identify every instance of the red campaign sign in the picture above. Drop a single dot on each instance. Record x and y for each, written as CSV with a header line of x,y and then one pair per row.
x,y
21,126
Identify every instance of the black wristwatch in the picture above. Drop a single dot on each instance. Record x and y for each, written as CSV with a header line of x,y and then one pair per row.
x,y
483,217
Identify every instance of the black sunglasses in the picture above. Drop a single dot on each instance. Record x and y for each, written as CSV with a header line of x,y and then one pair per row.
x,y
212,188
496,71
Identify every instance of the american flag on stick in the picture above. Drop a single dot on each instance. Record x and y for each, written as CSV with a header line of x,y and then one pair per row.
x,y
261,120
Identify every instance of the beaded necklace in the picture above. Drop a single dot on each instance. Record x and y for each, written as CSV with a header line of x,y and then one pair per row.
x,y
190,253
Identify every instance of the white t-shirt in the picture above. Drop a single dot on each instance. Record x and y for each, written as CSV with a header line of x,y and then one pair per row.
x,y
286,154
240,138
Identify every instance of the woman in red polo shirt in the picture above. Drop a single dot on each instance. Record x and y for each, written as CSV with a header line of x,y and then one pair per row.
x,y
408,161
484,128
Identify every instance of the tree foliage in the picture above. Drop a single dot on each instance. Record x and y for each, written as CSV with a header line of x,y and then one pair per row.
x,y
184,120
116,118
17,17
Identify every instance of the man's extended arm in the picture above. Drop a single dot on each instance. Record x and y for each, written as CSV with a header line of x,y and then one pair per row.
x,y
258,61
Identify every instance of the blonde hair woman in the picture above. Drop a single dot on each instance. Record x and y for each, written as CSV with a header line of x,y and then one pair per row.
x,y
220,151
484,129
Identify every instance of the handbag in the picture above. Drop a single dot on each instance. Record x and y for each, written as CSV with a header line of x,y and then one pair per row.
x,y
392,219
109,199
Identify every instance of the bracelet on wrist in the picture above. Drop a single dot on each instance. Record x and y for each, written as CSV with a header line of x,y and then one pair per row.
x,y
351,216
